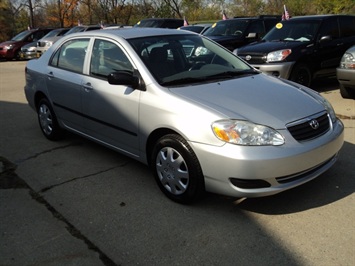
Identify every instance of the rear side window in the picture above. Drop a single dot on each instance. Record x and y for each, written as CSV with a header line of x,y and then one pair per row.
x,y
71,55
347,26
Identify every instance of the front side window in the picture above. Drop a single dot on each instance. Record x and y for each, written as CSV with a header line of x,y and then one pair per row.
x,y
71,55
106,58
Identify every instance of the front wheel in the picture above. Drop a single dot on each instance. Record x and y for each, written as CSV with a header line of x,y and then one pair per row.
x,y
48,121
301,74
177,170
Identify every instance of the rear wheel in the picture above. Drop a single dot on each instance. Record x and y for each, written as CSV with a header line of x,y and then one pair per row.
x,y
48,121
177,170
301,74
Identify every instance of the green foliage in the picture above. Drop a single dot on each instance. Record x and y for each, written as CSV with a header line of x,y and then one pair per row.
x,y
15,15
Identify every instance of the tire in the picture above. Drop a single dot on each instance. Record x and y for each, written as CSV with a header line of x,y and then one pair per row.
x,y
48,121
301,74
346,93
177,170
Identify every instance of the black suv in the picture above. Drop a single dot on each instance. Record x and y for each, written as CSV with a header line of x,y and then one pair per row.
x,y
239,31
170,23
303,48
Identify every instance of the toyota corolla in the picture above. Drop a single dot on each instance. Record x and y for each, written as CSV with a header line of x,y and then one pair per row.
x,y
200,117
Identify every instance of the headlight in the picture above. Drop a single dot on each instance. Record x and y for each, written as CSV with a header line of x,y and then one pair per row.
x,y
48,44
347,61
329,108
9,47
246,133
278,55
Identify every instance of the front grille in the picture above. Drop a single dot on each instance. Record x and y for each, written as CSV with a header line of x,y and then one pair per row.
x,y
304,131
254,58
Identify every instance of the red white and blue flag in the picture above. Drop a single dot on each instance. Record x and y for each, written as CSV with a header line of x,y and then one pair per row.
x,y
285,14
224,16
186,23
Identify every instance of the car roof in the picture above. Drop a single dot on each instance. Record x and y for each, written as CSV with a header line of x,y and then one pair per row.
x,y
320,17
131,33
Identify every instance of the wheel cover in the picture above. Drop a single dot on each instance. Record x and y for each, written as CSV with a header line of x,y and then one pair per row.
x,y
45,119
172,171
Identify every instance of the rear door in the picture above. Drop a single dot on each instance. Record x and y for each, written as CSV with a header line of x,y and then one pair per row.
x,y
64,79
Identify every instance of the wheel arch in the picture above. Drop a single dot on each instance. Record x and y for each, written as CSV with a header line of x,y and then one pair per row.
x,y
153,138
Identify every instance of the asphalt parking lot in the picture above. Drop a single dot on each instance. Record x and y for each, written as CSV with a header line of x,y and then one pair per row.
x,y
73,202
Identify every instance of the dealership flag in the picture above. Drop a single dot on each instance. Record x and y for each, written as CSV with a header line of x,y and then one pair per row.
x,y
285,14
224,16
186,23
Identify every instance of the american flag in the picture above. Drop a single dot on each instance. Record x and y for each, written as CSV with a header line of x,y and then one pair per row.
x,y
285,14
224,16
186,23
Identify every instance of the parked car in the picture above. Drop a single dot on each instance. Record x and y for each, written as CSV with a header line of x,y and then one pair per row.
x,y
198,28
11,49
237,32
51,37
83,28
346,74
171,23
200,117
303,48
28,51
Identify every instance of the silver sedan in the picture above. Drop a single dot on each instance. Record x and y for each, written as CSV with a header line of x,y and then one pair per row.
x,y
200,117
346,74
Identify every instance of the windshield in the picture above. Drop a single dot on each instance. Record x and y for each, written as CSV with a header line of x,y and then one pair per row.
x,y
186,59
21,36
293,30
57,32
227,28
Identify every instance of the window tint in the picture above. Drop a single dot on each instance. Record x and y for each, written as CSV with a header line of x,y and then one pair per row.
x,y
256,27
106,58
347,26
71,55
330,28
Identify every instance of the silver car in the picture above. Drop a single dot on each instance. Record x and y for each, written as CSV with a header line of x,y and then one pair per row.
x,y
48,40
200,117
346,74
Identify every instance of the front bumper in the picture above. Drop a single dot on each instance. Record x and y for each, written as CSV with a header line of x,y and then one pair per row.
x,y
28,55
346,77
267,170
280,70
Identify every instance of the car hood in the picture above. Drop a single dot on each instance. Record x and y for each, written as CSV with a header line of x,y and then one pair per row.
x,y
266,47
8,43
260,99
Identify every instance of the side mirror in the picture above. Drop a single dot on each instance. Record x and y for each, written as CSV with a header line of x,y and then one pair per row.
x,y
325,39
252,35
124,78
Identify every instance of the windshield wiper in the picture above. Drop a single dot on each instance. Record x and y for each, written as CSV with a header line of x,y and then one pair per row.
x,y
183,81
230,74
221,75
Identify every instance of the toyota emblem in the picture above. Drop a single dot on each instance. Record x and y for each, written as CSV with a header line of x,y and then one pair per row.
x,y
248,57
314,124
